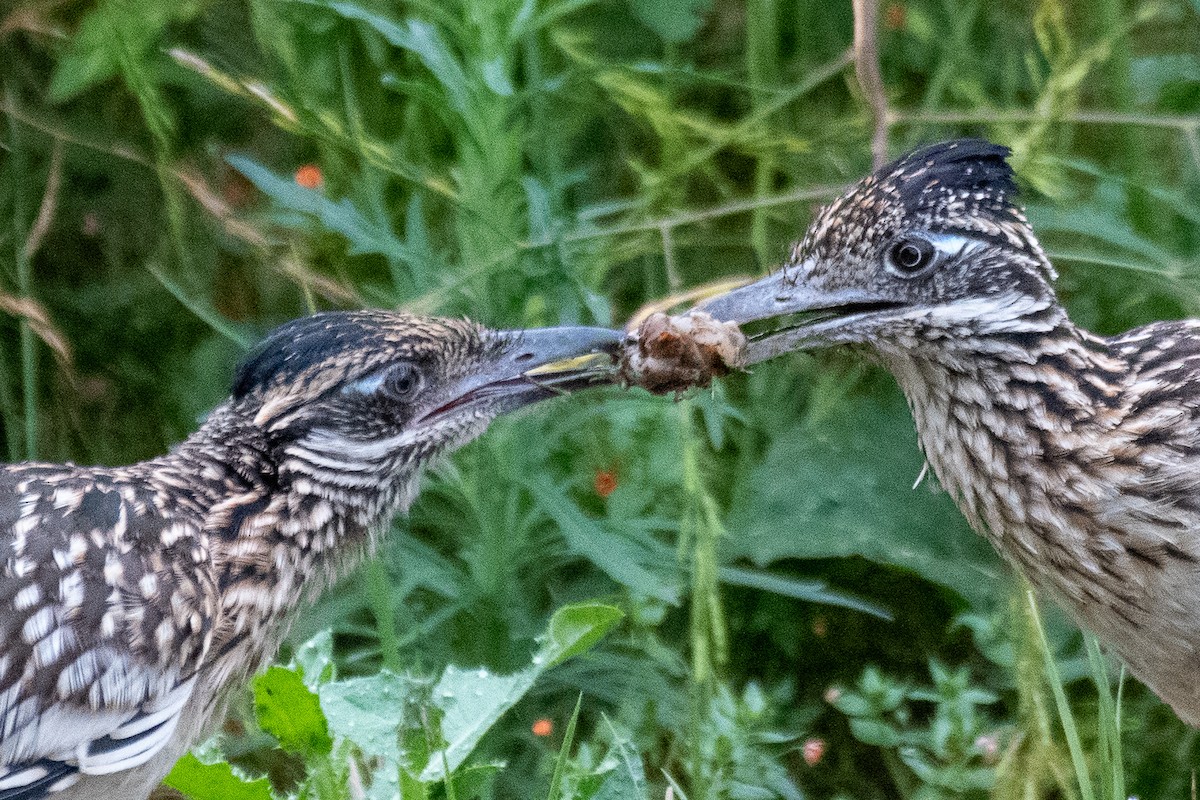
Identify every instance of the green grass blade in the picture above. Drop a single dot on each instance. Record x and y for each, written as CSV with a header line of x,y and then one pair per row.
x,y
1111,766
564,752
1074,745
209,315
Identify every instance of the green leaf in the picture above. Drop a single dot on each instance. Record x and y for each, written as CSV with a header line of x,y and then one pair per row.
x,y
473,700
564,753
675,21
574,630
814,591
314,659
1100,223
370,712
869,731
341,217
201,781
843,487
627,781
89,61
291,712
853,705
626,553
473,781
426,42
92,57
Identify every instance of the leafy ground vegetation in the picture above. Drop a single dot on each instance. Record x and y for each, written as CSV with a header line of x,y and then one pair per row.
x,y
738,595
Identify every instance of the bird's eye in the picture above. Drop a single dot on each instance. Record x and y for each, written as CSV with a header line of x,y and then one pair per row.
x,y
403,382
910,255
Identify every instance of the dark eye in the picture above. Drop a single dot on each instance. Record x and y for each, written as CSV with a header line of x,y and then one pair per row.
x,y
403,382
910,255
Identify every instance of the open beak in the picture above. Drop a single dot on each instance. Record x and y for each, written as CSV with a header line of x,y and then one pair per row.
x,y
790,315
533,365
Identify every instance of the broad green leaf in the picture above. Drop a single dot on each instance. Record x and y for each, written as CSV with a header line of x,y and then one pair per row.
x,y
289,711
370,712
473,699
201,781
574,630
314,658
869,731
843,487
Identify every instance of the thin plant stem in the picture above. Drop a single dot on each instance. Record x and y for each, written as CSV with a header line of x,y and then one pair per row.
x,y
762,67
8,406
700,530
24,270
869,74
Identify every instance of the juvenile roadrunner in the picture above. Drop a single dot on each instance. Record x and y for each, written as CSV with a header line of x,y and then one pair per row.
x,y
1076,455
133,599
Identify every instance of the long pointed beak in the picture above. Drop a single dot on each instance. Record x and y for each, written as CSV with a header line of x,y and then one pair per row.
x,y
562,357
536,364
802,316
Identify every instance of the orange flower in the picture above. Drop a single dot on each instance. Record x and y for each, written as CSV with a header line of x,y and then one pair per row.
x,y
543,727
820,627
814,751
309,176
606,482
894,17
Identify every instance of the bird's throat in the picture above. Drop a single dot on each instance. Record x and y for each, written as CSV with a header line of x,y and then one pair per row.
x,y
1013,428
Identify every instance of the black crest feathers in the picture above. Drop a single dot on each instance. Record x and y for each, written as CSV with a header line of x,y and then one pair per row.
x,y
971,169
297,345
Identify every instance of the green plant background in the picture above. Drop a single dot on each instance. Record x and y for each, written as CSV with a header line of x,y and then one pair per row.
x,y
763,606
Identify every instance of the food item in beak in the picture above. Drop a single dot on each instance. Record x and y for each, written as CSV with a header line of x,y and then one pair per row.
x,y
673,353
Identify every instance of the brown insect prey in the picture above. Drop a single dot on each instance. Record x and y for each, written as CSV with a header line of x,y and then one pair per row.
x,y
673,353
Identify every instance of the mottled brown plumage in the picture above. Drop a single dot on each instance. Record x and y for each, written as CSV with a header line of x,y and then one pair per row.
x,y
133,599
1078,456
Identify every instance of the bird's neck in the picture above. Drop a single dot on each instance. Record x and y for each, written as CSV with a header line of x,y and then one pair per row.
x,y
277,539
225,457
249,488
1009,423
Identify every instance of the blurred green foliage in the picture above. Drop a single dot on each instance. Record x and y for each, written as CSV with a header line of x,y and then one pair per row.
x,y
177,178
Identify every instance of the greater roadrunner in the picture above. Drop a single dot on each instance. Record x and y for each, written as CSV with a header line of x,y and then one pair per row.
x,y
1076,455
132,599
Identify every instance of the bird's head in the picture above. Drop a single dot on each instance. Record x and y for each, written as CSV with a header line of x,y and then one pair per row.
x,y
355,399
929,246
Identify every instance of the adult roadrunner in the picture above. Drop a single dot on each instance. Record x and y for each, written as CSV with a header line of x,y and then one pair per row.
x,y
1078,456
133,599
